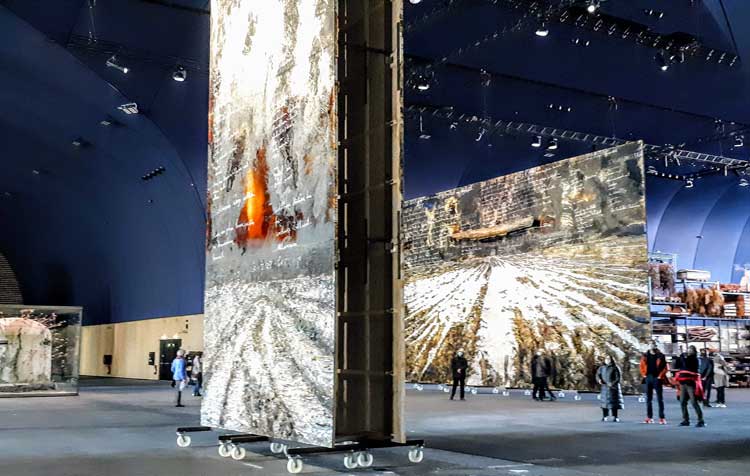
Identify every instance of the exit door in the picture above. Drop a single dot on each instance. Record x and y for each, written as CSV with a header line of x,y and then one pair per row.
x,y
167,352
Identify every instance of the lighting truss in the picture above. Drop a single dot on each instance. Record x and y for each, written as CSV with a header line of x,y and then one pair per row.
x,y
449,114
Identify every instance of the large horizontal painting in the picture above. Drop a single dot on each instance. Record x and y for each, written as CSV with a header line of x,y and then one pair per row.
x,y
270,291
551,258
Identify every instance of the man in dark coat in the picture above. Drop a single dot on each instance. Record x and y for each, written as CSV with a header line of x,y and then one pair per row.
x,y
706,369
654,372
541,370
458,367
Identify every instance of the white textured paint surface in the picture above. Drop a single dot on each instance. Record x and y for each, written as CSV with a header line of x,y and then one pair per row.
x,y
26,354
270,306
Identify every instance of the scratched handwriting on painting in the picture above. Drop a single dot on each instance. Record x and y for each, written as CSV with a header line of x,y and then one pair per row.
x,y
288,221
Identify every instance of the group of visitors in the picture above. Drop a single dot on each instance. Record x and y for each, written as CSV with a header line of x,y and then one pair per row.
x,y
180,378
693,376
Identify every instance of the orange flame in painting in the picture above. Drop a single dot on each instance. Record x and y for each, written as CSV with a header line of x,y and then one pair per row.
x,y
256,213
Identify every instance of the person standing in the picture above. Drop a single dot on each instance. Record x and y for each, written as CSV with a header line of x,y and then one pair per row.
x,y
706,369
691,388
179,375
721,379
609,376
459,365
654,371
541,370
197,374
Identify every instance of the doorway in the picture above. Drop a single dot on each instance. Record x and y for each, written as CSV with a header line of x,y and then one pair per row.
x,y
167,352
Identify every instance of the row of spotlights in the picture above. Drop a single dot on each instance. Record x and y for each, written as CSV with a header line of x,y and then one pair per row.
x,y
179,74
538,143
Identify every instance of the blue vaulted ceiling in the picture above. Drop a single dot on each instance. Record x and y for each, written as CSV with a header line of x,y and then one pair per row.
x,y
84,229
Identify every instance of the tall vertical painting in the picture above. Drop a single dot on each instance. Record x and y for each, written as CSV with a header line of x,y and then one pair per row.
x,y
552,258
270,293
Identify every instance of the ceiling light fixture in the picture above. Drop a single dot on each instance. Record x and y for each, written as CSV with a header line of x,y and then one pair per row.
x,y
415,2
542,31
129,108
537,142
105,122
552,145
662,60
592,6
744,182
739,141
112,63
689,183
179,74
422,134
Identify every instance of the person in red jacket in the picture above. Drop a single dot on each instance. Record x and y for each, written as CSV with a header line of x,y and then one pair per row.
x,y
691,386
654,371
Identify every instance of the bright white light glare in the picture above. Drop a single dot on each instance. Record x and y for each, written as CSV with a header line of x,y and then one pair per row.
x,y
537,142
542,31
415,2
423,86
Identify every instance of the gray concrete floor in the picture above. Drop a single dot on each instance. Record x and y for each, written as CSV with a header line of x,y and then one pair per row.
x,y
126,428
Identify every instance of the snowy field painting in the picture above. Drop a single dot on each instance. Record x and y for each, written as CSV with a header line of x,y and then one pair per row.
x,y
270,302
551,258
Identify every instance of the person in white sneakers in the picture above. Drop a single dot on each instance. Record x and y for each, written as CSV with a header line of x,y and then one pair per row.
x,y
609,377
721,379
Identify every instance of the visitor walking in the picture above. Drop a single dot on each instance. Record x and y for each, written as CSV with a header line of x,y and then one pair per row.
x,y
609,376
541,371
458,368
179,375
654,371
706,369
691,386
197,374
721,379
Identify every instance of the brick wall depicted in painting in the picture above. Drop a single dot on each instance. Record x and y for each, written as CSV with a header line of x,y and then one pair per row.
x,y
550,258
270,296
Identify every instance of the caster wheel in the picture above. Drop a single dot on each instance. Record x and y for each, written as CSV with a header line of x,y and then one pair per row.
x,y
225,450
238,453
350,461
294,465
277,448
183,441
365,459
416,455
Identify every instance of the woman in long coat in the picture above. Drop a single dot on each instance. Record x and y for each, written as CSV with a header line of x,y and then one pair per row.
x,y
609,376
721,379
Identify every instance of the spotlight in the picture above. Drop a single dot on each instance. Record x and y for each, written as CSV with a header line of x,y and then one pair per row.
x,y
662,60
537,142
78,142
739,141
744,182
105,122
179,74
592,6
422,133
129,108
552,145
112,63
542,31
689,183
415,2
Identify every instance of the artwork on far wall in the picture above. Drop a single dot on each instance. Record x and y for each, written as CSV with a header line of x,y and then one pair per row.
x,y
554,258
270,294
39,349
